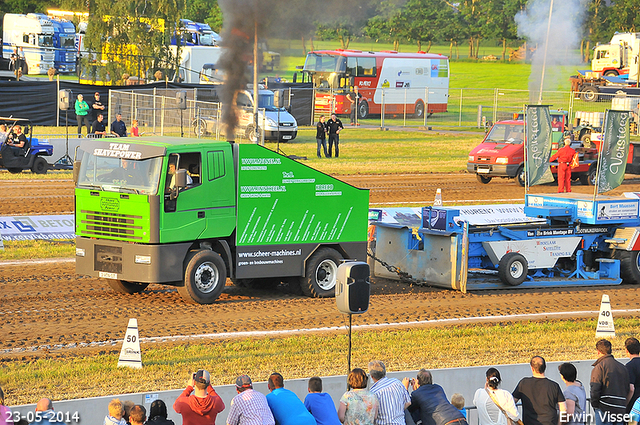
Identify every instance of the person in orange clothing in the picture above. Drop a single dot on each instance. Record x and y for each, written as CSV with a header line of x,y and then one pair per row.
x,y
565,158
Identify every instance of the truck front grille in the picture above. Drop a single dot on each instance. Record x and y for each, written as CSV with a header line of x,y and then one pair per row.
x,y
108,259
121,226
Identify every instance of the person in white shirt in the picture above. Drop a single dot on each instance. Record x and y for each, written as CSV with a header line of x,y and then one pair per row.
x,y
492,402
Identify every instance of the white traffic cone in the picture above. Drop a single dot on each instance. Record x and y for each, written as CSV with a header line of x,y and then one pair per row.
x,y
438,201
605,326
130,355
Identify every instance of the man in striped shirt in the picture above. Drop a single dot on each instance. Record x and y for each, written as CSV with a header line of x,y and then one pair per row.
x,y
392,395
249,407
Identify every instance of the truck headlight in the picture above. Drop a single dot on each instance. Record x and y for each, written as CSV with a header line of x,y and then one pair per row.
x,y
80,252
502,160
143,259
271,122
470,158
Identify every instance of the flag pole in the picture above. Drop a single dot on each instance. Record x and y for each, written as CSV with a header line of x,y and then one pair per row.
x,y
599,163
526,131
546,47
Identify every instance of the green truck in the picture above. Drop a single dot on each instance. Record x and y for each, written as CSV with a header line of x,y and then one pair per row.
x,y
191,213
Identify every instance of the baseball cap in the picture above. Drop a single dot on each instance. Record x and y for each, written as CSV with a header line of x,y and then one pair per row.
x,y
202,376
243,381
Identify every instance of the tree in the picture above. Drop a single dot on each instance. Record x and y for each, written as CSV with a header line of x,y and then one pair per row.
x,y
500,21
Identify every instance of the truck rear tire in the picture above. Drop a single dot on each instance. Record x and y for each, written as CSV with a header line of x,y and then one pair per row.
x,y
321,274
629,267
483,179
125,287
204,277
589,94
513,268
363,110
40,165
520,176
419,111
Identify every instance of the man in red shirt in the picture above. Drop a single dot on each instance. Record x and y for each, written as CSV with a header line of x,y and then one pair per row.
x,y
201,407
565,157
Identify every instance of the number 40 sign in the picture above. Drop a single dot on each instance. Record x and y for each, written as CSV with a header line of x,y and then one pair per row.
x,y
605,326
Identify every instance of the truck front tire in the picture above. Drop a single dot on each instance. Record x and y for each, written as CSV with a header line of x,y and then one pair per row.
x,y
125,287
205,276
321,274
483,179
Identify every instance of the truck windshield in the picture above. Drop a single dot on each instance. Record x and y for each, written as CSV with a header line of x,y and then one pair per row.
x,y
506,133
207,39
316,62
120,175
67,41
45,40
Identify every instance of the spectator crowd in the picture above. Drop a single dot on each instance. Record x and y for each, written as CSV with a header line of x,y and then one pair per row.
x,y
614,396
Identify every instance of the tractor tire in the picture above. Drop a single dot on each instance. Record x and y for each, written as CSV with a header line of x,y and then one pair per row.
x,y
629,266
321,274
204,277
39,166
513,268
586,139
125,287
419,111
363,110
589,94
483,179
520,176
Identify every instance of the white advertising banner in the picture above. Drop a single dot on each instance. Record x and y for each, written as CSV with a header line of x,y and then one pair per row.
x,y
20,228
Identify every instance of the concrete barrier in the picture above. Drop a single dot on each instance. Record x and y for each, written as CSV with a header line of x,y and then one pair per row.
x,y
454,380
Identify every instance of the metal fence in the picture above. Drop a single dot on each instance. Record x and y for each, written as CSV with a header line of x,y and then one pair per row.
x,y
157,111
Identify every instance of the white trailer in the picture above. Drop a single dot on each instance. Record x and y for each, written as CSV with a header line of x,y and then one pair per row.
x,y
34,35
193,59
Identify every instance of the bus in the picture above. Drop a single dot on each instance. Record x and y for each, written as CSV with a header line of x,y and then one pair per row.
x,y
404,83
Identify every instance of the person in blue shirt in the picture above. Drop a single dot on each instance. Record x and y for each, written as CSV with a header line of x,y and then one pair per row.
x,y
286,407
118,127
321,404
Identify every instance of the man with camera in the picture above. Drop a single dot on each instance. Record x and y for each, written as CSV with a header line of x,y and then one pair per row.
x,y
199,404
429,403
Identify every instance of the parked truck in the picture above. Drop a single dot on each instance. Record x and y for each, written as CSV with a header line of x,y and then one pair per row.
x,y
195,34
593,86
618,57
64,36
228,210
33,34
193,59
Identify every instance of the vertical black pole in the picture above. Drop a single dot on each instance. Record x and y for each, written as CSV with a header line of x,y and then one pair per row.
x,y
349,355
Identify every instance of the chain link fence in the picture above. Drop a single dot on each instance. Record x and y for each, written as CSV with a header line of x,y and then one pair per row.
x,y
158,113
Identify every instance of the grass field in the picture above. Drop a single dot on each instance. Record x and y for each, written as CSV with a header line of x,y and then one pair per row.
x,y
25,381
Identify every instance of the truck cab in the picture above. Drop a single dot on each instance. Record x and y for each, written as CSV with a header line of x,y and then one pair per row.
x,y
195,34
64,35
33,35
501,153
618,57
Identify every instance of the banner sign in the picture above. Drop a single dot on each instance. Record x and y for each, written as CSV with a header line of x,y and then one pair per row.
x,y
538,145
614,152
20,228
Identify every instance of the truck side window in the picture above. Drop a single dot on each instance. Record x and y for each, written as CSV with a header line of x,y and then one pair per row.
x,y
366,67
215,162
191,162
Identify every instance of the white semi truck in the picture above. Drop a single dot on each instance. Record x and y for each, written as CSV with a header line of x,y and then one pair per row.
x,y
618,57
193,59
32,35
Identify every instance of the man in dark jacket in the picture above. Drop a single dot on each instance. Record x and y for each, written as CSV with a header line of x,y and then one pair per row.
x,y
429,402
610,389
633,367
334,125
201,407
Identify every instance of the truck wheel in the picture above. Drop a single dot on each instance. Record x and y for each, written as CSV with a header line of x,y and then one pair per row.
x,y
588,178
483,179
252,135
321,274
40,165
125,287
363,110
419,112
513,268
629,266
611,73
204,277
589,94
520,176
14,170
586,139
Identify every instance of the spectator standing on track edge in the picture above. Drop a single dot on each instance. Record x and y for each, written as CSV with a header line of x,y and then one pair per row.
x,y
632,346
494,404
393,397
137,415
201,407
541,397
158,414
249,407
574,395
321,136
286,407
321,404
610,387
98,127
358,406
116,413
354,97
334,125
97,107
44,412
82,110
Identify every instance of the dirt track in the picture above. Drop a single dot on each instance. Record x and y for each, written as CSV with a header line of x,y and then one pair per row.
x,y
45,305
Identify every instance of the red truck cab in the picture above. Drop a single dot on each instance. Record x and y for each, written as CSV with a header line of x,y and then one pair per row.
x,y
501,153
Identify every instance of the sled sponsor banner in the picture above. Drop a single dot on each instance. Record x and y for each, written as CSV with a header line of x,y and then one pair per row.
x,y
16,228
538,145
615,149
